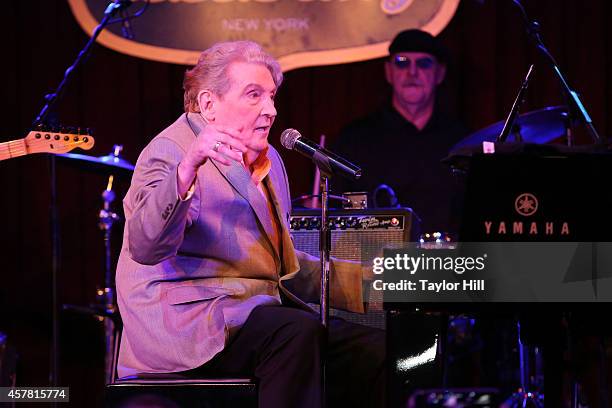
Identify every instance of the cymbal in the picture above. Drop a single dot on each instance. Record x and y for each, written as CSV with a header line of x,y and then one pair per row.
x,y
538,127
109,164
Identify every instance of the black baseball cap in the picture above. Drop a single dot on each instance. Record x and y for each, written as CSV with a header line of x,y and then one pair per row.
x,y
415,40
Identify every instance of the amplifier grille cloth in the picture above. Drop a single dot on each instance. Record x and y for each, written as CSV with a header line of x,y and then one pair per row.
x,y
355,245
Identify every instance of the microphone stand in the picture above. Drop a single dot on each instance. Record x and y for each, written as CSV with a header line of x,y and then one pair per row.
x,y
51,101
324,252
326,163
533,29
326,172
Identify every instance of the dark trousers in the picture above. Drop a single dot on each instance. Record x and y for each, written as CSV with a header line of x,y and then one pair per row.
x,y
282,348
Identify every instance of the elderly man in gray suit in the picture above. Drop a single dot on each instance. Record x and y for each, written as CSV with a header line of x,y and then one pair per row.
x,y
208,278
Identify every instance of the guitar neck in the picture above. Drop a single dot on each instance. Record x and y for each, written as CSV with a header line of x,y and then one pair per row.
x,y
41,141
14,148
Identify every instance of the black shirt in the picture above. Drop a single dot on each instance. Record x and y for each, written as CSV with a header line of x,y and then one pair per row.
x,y
391,150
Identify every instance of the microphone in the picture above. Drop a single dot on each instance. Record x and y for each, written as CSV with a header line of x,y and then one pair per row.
x,y
328,162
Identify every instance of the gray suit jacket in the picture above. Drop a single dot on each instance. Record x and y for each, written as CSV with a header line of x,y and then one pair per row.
x,y
190,272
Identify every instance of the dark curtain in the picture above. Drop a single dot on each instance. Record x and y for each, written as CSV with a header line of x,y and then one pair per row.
x,y
128,100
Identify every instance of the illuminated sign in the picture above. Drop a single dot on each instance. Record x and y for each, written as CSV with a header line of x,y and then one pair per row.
x,y
298,33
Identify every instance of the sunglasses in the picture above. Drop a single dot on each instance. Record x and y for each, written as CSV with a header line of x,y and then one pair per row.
x,y
403,62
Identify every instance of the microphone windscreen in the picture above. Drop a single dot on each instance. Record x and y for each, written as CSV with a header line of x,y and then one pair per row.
x,y
288,138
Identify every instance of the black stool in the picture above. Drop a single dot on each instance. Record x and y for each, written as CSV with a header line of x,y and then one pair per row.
x,y
172,390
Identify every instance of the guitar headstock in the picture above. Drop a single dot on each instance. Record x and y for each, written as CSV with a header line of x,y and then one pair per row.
x,y
44,140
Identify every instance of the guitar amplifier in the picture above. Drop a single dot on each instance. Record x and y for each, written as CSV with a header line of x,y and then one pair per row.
x,y
357,235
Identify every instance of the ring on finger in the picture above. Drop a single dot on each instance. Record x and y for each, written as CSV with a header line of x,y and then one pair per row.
x,y
216,146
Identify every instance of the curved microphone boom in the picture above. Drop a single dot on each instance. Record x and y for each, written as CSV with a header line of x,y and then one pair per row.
x,y
328,162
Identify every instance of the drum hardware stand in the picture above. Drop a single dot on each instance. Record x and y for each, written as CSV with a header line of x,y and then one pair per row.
x,y
105,308
524,398
106,296
511,119
576,108
533,30
51,101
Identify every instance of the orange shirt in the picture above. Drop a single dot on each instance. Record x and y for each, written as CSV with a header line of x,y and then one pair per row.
x,y
259,169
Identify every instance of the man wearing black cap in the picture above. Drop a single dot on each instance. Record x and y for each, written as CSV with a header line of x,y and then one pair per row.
x,y
401,145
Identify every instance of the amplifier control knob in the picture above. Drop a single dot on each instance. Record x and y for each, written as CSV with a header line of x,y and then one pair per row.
x,y
349,222
295,224
311,223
